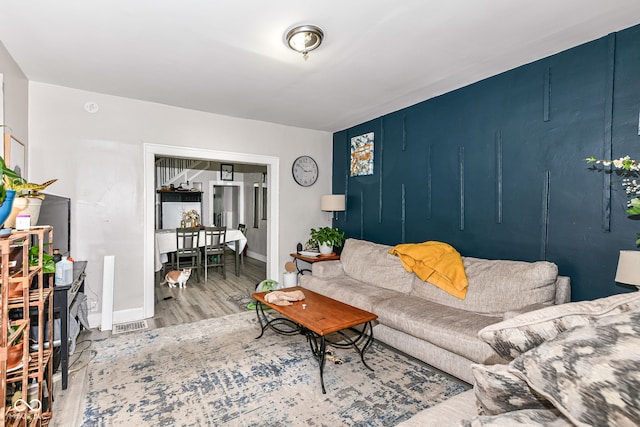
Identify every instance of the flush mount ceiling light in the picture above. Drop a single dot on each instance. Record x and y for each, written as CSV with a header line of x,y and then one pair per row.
x,y
304,39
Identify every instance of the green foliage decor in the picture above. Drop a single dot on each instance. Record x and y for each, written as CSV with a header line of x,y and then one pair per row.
x,y
6,175
328,235
629,170
48,266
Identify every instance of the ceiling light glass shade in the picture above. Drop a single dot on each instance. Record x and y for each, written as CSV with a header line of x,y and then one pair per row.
x,y
304,39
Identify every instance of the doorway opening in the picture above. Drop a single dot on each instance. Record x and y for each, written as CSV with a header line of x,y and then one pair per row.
x,y
151,151
226,205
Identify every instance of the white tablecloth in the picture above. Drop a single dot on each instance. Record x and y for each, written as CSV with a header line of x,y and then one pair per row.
x,y
166,243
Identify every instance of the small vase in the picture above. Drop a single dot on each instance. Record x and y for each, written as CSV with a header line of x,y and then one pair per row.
x,y
325,249
14,355
14,289
5,208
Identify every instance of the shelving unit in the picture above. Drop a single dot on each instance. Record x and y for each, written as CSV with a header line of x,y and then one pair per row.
x,y
27,306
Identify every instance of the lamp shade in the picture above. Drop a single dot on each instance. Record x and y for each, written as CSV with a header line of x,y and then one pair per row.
x,y
629,268
332,203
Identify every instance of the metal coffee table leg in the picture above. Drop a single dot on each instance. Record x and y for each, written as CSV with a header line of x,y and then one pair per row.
x,y
318,346
275,323
364,337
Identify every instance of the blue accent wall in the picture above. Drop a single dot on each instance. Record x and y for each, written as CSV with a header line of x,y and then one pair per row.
x,y
497,168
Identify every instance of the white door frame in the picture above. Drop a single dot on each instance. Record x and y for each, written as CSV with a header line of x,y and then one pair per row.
x,y
149,191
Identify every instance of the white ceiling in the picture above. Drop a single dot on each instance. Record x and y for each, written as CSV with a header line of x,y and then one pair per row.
x,y
228,57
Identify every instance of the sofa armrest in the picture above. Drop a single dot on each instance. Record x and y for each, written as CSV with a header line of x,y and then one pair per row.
x,y
563,296
327,269
563,290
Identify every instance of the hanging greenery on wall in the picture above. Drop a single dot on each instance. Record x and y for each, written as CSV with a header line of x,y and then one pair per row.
x,y
629,170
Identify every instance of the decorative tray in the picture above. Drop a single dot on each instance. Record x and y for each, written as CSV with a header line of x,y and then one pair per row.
x,y
309,253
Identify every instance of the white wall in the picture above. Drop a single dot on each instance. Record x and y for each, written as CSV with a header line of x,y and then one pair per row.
x,y
16,87
98,160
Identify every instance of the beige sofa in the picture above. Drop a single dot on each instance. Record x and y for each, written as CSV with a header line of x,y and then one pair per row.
x,y
575,364
425,322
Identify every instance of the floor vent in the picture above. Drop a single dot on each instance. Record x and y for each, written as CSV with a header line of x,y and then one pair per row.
x,y
138,325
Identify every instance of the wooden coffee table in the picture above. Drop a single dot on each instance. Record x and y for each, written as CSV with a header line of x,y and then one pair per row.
x,y
316,317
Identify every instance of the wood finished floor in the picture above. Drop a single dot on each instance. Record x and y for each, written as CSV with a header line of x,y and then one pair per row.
x,y
215,298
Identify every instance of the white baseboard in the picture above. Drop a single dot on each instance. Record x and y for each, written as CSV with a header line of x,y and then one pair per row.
x,y
259,257
121,316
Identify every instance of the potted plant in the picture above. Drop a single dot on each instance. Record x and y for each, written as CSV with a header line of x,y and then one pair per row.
x,y
6,194
16,348
327,238
48,264
28,197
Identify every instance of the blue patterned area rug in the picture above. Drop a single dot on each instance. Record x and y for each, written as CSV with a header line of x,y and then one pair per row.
x,y
214,373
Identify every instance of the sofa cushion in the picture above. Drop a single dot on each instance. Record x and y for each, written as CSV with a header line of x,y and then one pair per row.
x,y
519,334
498,390
349,290
496,286
525,417
451,328
590,372
372,263
327,269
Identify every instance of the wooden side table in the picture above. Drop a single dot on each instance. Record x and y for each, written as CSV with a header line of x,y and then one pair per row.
x,y
311,259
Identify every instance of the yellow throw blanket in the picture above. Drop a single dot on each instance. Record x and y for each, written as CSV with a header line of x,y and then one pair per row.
x,y
436,262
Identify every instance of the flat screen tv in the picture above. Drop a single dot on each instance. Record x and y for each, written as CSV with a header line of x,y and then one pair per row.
x,y
56,211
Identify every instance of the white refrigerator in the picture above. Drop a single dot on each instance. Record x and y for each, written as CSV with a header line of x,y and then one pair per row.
x,y
172,212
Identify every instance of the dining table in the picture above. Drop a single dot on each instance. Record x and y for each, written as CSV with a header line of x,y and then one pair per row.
x,y
166,243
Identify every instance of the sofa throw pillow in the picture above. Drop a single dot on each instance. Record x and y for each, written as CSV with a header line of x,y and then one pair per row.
x,y
372,263
498,390
496,286
590,373
513,337
525,417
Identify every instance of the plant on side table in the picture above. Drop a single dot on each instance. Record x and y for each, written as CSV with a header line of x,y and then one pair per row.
x,y
327,238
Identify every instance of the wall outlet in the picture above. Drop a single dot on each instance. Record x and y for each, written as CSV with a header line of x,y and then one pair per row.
x,y
93,305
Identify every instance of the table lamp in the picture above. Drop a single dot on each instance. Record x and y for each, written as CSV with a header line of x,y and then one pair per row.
x,y
332,203
629,268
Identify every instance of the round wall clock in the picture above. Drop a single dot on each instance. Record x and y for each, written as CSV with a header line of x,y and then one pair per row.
x,y
305,171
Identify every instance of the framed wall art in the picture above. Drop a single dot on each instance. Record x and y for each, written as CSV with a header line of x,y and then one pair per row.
x,y
15,155
226,172
362,154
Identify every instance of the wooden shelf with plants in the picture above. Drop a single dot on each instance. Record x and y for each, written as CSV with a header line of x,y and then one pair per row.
x,y
26,379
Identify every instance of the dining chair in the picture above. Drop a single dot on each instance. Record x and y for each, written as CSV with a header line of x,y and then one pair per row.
x,y
232,245
188,249
214,238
